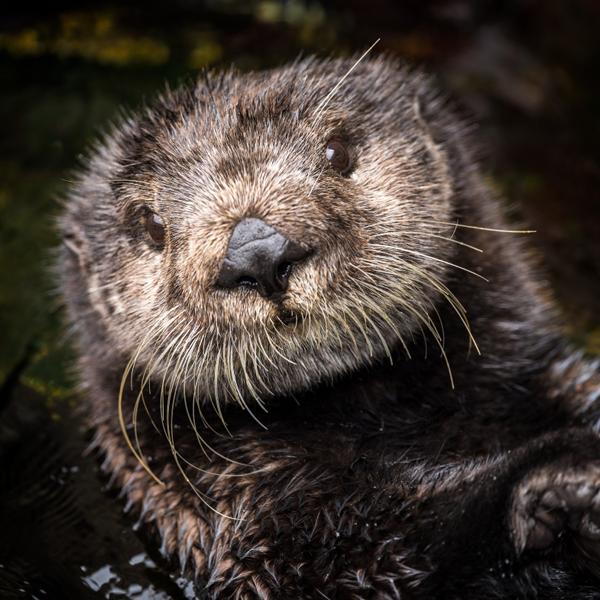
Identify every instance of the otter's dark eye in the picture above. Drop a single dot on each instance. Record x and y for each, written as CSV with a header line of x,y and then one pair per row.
x,y
155,227
338,155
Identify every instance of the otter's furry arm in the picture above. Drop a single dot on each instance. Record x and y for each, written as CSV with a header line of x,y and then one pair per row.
x,y
338,521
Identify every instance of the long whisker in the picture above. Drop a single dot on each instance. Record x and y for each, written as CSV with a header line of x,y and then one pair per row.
x,y
429,257
321,106
441,237
126,435
136,451
481,228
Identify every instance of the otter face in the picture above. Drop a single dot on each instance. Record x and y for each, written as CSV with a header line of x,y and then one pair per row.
x,y
255,234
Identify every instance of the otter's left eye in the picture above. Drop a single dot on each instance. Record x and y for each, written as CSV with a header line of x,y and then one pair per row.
x,y
338,155
155,227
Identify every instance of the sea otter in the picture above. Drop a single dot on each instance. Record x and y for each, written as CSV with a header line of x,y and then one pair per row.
x,y
316,360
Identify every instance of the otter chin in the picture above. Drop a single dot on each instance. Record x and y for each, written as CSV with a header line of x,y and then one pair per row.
x,y
316,360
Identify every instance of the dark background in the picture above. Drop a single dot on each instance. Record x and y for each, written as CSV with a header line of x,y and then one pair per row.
x,y
528,72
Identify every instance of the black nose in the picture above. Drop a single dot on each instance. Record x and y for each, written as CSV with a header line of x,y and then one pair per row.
x,y
259,256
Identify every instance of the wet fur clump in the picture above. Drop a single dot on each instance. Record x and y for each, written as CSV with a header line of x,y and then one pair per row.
x,y
405,420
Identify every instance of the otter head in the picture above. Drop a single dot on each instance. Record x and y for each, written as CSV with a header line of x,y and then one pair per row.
x,y
253,235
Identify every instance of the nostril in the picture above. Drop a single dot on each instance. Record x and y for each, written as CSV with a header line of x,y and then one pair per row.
x,y
284,270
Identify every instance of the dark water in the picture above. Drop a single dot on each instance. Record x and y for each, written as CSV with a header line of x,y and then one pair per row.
x,y
526,70
62,534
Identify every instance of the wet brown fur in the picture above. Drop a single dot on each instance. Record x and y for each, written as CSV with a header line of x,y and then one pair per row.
x,y
399,432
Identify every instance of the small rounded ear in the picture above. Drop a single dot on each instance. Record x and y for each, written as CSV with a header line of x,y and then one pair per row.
x,y
80,267
73,239
428,128
72,244
432,136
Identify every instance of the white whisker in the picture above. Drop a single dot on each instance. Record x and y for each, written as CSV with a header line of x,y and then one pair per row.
x,y
321,106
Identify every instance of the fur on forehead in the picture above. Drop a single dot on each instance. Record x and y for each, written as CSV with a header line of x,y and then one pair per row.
x,y
221,107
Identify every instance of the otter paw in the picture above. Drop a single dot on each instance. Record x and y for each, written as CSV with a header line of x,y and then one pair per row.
x,y
554,502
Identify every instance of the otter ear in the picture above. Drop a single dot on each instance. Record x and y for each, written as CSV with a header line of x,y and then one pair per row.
x,y
426,112
72,243
81,266
422,121
73,240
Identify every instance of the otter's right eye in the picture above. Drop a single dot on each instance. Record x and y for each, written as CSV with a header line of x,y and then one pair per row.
x,y
155,227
